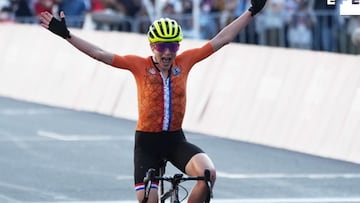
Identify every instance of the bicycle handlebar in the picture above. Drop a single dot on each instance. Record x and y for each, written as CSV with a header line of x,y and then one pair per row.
x,y
150,176
175,181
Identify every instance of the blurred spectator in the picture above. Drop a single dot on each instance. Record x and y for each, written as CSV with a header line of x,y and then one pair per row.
x,y
326,21
75,11
274,23
291,6
355,38
169,10
300,26
4,3
6,11
208,25
118,14
24,11
281,23
177,5
352,27
97,5
110,16
187,8
43,5
132,7
144,16
227,11
249,35
116,6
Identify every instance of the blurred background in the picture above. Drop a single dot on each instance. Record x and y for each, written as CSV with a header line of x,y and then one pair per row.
x,y
300,24
293,100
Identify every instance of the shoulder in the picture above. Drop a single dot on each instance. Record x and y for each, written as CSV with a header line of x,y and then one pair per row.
x,y
129,61
197,54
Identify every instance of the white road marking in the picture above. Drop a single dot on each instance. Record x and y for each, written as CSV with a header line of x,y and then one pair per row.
x,y
80,137
124,177
27,111
251,200
287,200
22,188
221,174
4,198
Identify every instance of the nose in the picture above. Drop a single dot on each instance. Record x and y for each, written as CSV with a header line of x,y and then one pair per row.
x,y
167,51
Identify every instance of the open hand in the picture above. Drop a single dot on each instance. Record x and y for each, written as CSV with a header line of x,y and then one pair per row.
x,y
256,6
58,27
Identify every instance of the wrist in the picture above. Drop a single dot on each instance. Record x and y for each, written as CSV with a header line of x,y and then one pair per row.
x,y
68,35
249,12
252,11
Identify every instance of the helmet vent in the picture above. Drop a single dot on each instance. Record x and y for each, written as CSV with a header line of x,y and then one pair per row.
x,y
165,30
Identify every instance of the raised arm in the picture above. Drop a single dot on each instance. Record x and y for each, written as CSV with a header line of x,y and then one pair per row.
x,y
59,28
229,32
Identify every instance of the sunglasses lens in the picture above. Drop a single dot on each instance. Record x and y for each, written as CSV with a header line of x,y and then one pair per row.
x,y
161,47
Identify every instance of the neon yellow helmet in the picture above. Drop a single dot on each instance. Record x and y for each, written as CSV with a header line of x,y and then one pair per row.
x,y
165,30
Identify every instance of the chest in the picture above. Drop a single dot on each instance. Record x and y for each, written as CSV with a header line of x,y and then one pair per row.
x,y
155,82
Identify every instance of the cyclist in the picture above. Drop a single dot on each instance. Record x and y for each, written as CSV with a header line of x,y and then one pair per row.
x,y
161,82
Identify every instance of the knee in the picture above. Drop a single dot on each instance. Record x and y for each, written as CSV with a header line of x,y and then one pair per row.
x,y
212,175
153,197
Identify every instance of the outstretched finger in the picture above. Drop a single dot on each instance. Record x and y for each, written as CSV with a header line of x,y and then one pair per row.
x,y
46,15
44,25
43,20
62,14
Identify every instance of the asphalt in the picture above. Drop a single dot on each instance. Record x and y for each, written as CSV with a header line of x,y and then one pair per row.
x,y
50,154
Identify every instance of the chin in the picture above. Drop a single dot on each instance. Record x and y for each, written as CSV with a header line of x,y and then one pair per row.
x,y
167,66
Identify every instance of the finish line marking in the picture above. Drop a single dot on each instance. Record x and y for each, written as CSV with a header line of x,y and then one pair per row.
x,y
280,175
287,200
80,137
251,200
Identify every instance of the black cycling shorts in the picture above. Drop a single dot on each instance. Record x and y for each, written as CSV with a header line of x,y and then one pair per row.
x,y
152,148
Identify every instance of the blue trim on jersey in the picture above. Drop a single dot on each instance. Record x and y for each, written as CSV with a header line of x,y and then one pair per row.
x,y
167,103
170,104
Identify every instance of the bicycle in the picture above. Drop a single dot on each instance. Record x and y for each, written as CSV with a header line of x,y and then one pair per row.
x,y
175,180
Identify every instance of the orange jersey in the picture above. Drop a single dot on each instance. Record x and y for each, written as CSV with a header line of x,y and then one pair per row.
x,y
156,112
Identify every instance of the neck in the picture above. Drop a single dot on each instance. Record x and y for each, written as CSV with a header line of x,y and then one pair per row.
x,y
164,71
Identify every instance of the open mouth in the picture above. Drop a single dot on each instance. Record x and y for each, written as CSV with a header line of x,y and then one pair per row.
x,y
166,60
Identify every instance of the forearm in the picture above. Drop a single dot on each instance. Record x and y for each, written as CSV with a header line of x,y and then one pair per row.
x,y
59,28
90,49
229,32
235,27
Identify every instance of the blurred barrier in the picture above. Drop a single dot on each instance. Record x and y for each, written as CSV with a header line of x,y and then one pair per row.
x,y
298,100
329,32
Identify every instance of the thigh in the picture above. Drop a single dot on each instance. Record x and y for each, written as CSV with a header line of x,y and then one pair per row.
x,y
197,165
143,161
183,153
146,155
